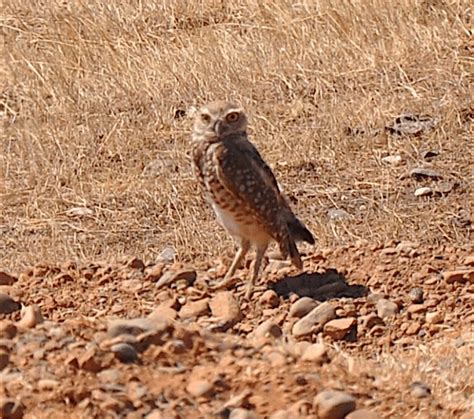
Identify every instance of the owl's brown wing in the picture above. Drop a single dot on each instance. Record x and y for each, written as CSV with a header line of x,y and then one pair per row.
x,y
251,153
251,183
297,229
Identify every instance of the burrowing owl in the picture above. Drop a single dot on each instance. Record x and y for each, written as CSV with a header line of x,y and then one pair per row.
x,y
242,189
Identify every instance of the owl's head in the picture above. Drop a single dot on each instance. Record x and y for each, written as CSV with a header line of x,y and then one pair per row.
x,y
220,119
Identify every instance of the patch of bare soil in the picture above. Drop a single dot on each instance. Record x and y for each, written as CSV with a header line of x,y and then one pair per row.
x,y
365,331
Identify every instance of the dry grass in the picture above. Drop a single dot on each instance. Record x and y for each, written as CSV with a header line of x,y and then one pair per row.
x,y
90,91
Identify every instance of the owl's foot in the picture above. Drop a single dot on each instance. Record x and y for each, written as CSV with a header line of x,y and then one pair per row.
x,y
248,291
226,283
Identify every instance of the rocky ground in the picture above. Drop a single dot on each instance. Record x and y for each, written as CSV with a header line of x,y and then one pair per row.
x,y
367,332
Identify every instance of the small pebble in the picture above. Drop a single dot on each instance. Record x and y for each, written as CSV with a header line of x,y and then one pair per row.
x,y
268,328
420,390
31,317
340,328
416,295
47,384
317,353
269,298
333,404
423,191
302,306
433,318
199,388
125,352
8,305
386,308
393,160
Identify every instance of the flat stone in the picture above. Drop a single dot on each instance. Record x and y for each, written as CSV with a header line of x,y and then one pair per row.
x,y
199,388
363,414
434,317
314,321
194,309
225,306
302,306
460,275
340,328
333,404
317,353
170,277
386,308
8,305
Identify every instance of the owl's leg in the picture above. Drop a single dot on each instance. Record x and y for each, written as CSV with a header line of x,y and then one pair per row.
x,y
239,256
255,269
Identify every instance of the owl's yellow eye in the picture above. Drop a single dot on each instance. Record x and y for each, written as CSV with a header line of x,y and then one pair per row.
x,y
232,117
205,118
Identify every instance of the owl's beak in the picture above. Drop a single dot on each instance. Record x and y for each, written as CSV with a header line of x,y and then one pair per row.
x,y
217,126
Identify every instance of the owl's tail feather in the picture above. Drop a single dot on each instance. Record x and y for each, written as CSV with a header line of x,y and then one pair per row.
x,y
298,231
295,255
288,248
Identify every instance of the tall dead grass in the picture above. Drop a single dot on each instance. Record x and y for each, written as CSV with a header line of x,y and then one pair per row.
x,y
92,94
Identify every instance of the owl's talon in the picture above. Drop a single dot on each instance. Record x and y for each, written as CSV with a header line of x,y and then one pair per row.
x,y
226,283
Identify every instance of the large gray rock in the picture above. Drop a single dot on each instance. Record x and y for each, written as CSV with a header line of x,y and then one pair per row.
x,y
314,321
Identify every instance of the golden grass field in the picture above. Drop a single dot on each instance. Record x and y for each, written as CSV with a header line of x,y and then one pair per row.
x,y
96,108
93,95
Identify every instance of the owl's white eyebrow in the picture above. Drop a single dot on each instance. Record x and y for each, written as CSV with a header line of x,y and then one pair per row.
x,y
233,110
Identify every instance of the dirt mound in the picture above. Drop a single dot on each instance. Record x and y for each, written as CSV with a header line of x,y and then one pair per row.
x,y
390,328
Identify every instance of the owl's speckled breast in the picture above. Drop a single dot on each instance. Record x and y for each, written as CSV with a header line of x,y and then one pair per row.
x,y
233,214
